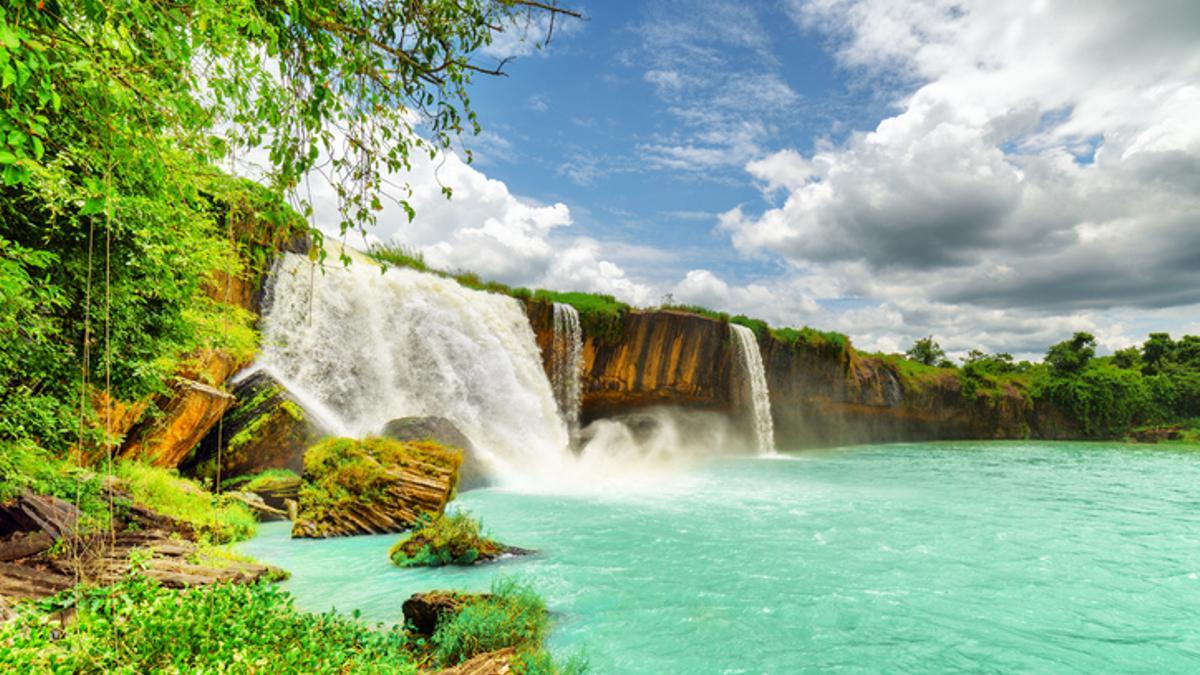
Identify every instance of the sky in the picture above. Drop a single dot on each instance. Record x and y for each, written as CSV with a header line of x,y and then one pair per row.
x,y
996,174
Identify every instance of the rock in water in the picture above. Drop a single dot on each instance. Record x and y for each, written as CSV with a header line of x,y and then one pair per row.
x,y
472,474
373,486
266,429
423,611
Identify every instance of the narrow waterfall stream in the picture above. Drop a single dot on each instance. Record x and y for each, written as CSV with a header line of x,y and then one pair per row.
x,y
371,347
567,365
754,377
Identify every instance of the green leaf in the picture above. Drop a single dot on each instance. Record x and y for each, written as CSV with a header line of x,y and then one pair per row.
x,y
7,157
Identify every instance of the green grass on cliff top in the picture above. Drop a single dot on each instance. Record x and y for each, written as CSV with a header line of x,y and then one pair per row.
x,y
598,311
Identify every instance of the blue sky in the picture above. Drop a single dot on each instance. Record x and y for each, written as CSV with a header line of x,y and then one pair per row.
x,y
995,174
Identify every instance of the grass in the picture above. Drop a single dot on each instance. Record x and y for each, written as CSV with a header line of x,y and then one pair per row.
x,y
811,337
137,625
722,317
513,615
448,539
600,316
179,498
268,479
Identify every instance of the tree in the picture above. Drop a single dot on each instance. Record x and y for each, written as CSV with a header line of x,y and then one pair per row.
x,y
926,350
994,364
114,115
335,86
1129,358
1157,352
1071,356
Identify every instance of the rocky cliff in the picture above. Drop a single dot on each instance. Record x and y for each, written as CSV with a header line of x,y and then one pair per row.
x,y
650,359
822,393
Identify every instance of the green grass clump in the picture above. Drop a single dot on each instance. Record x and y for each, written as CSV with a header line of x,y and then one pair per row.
x,y
811,337
167,493
723,317
398,255
138,626
512,616
761,330
448,539
600,315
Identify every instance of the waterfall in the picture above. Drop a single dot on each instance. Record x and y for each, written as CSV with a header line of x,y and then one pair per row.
x,y
566,365
371,347
754,376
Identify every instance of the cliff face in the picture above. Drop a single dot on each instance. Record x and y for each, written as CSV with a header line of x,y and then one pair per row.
x,y
822,395
656,358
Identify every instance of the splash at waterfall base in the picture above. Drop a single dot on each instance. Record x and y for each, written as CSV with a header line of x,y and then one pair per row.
x,y
358,349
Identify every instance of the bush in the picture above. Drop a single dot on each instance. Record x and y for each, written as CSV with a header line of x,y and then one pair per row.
x,y
182,499
139,626
449,539
512,616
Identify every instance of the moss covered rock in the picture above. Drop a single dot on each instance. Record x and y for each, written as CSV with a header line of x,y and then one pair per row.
x,y
373,486
473,474
265,429
454,539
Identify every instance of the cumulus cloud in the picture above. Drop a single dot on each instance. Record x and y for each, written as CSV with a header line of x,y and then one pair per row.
x,y
486,229
1044,161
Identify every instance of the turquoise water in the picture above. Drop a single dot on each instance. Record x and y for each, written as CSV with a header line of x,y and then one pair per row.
x,y
936,557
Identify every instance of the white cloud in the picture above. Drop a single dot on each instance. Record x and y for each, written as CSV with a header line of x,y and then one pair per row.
x,y
1044,162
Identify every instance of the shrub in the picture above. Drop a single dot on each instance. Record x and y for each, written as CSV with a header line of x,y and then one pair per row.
x,y
512,616
139,626
448,539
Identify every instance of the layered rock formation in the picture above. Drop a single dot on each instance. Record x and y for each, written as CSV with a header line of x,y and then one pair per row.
x,y
822,393
656,358
472,474
373,486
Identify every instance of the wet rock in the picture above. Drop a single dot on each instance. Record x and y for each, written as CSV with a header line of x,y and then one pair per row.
x,y
265,429
472,474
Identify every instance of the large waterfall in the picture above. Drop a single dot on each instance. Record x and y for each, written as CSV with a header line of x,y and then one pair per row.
x,y
754,378
369,347
566,364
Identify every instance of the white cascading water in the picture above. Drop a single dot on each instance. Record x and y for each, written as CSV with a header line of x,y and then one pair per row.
x,y
370,347
566,365
754,376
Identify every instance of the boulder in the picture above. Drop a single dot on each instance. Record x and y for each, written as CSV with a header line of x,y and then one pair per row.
x,y
423,611
473,474
266,428
373,486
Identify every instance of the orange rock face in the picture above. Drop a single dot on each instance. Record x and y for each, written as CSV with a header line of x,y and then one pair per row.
x,y
187,415
659,358
821,395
